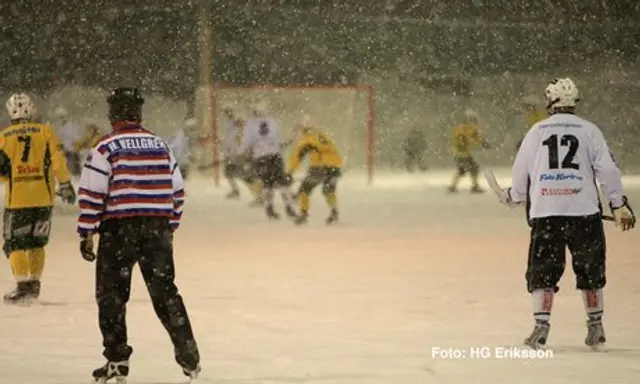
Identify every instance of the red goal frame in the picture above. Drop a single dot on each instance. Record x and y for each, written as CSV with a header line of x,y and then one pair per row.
x,y
370,117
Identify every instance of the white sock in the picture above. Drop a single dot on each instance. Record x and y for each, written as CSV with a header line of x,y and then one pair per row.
x,y
287,196
593,300
267,195
542,304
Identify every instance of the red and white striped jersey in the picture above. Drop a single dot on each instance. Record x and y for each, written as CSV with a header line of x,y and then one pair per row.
x,y
129,173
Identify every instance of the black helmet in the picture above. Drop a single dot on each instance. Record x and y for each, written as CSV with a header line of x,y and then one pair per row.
x,y
125,104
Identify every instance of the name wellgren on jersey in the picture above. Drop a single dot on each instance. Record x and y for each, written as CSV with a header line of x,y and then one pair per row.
x,y
133,143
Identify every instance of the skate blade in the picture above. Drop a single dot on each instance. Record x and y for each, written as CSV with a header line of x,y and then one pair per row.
x,y
116,380
600,347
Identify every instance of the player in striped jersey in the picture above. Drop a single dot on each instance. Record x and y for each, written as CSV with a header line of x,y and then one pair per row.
x,y
131,194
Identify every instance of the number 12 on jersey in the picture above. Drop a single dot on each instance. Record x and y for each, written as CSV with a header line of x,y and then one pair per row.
x,y
554,144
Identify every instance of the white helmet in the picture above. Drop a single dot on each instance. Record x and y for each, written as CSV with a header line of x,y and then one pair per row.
x,y
20,106
470,114
60,113
561,93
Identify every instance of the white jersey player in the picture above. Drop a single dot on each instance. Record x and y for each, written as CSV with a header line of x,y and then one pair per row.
x,y
181,148
555,173
260,140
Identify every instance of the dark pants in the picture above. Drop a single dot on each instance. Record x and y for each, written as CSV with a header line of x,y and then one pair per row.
x,y
466,165
327,176
26,228
270,170
147,241
414,160
583,235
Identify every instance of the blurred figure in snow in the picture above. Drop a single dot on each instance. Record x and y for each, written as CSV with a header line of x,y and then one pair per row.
x,y
181,146
69,134
414,147
533,114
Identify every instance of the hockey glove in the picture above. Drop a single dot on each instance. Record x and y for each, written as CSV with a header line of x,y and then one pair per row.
x,y
624,216
86,248
67,193
505,198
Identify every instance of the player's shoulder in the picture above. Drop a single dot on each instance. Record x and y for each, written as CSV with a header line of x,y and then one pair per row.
x,y
26,128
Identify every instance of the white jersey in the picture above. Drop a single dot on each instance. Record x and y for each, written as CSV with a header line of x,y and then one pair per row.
x,y
260,137
232,139
179,145
69,134
558,164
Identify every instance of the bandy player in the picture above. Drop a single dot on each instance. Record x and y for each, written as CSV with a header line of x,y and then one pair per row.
x,y
260,141
555,173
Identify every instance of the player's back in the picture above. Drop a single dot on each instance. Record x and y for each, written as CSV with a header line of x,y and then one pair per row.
x,y
322,151
463,138
141,174
33,156
563,149
261,137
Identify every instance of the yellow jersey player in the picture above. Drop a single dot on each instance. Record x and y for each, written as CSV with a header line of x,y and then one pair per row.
x,y
30,163
465,138
324,168
533,113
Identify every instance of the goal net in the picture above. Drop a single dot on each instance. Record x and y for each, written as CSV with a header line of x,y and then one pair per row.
x,y
345,113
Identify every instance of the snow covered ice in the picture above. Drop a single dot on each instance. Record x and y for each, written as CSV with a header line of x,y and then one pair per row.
x,y
409,269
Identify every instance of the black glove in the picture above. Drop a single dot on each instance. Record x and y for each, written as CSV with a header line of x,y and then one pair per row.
x,y
67,193
86,248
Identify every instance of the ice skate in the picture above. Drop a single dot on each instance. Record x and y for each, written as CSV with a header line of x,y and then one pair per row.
x,y
539,336
333,217
25,293
302,219
477,189
272,214
452,189
112,370
192,374
595,335
234,194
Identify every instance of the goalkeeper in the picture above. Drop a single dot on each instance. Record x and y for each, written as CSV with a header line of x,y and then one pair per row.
x,y
324,168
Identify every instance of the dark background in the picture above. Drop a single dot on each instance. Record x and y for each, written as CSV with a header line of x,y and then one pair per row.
x,y
104,43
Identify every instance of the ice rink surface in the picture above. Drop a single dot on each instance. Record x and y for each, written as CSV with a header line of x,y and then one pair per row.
x,y
409,268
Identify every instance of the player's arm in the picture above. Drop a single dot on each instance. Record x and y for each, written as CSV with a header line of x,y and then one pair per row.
x,y
521,166
606,170
178,192
5,162
93,189
300,151
608,174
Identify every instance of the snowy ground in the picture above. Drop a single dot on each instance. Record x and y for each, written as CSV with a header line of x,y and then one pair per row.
x,y
410,268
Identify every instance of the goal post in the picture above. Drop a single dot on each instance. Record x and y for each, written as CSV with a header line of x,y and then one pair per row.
x,y
344,112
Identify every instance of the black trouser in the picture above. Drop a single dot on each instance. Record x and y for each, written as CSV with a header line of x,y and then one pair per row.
x,y
270,170
147,241
413,159
583,235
